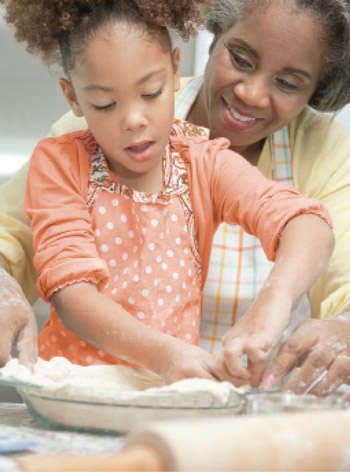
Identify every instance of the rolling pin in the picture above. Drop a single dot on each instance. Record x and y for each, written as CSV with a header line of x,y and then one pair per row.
x,y
312,441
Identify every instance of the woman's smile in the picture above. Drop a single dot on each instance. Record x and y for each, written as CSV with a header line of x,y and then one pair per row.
x,y
237,119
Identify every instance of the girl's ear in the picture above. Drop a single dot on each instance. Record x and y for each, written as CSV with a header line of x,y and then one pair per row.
x,y
176,68
69,93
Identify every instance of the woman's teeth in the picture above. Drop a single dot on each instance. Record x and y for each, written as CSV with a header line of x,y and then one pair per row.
x,y
238,116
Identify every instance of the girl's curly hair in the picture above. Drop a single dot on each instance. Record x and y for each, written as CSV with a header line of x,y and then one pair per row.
x,y
49,26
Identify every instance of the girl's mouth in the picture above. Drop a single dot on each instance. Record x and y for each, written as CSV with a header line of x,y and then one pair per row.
x,y
236,119
141,151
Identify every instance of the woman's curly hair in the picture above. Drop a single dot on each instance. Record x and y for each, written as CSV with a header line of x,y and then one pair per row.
x,y
48,26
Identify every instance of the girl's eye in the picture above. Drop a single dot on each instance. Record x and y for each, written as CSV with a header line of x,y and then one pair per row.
x,y
108,107
240,62
153,95
286,85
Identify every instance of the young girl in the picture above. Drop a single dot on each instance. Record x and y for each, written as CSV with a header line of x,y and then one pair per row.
x,y
123,214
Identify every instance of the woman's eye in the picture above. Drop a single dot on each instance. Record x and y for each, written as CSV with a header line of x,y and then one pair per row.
x,y
153,95
104,107
286,85
240,62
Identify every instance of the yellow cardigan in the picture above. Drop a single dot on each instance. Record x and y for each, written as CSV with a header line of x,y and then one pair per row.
x,y
321,169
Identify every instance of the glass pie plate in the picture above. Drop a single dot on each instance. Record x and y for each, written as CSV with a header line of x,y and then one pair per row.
x,y
68,408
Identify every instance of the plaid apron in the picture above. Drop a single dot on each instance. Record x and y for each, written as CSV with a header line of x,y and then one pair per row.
x,y
238,265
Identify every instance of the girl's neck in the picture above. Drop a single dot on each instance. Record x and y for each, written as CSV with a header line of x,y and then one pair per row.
x,y
198,116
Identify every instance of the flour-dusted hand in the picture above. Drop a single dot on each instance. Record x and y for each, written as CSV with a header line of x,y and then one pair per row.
x,y
17,322
316,346
248,343
182,361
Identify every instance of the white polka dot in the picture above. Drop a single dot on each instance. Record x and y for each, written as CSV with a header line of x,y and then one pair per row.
x,y
160,302
189,272
185,229
151,246
141,315
182,263
136,263
188,336
126,270
104,248
145,293
53,339
118,240
134,249
125,256
168,288
123,219
102,210
161,235
112,263
189,293
131,300
110,225
164,266
186,251
115,203
170,253
100,353
63,333
173,217
175,275
177,298
131,234
148,269
165,211
97,232
116,277
156,282
184,285
82,343
88,359
143,208
175,319
154,222
114,291
158,258
136,278
107,285
178,241
124,284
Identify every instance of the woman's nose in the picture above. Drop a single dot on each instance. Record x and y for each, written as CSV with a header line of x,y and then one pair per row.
x,y
253,92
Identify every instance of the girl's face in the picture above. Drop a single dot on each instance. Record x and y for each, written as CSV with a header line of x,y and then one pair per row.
x,y
261,73
124,85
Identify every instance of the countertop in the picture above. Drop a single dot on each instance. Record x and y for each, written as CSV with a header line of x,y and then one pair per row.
x,y
15,420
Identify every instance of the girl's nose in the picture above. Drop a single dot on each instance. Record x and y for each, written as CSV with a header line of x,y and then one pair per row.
x,y
133,120
253,92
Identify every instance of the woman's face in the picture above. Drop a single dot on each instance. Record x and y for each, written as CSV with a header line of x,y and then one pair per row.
x,y
262,72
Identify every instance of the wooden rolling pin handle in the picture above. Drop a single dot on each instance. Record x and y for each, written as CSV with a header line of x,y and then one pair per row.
x,y
131,459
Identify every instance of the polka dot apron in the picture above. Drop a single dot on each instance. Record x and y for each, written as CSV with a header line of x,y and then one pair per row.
x,y
149,246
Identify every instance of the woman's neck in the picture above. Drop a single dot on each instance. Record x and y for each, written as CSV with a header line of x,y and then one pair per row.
x,y
198,116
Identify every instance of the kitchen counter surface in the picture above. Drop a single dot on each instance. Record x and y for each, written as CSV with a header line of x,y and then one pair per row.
x,y
17,422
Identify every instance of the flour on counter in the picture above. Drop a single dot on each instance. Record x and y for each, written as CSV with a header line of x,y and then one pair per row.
x,y
104,382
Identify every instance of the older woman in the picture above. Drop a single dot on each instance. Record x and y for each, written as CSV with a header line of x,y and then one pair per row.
x,y
271,65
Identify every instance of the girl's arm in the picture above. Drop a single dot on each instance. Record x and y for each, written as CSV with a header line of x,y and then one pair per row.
x,y
106,325
306,245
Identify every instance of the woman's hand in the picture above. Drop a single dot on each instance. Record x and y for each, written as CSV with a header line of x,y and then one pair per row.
x,y
182,361
17,322
315,346
248,343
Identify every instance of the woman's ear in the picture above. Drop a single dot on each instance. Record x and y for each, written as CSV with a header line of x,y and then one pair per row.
x,y
176,68
69,93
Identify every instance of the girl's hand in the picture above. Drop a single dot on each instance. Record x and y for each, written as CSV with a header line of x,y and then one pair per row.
x,y
316,346
17,322
182,361
247,344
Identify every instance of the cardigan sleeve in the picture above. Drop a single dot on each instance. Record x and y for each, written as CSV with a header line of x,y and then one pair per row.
x,y
55,202
226,188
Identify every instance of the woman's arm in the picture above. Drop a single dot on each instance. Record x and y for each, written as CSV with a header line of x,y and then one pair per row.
x,y
306,245
106,325
17,321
